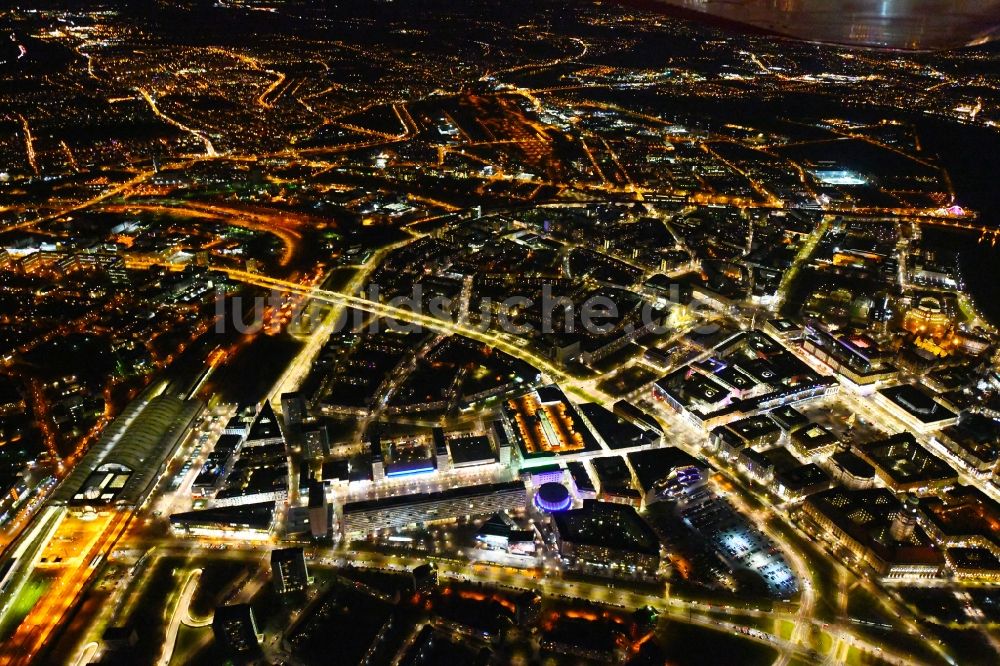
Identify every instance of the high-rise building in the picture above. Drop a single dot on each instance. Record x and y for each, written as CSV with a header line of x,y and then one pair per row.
x,y
375,452
235,629
425,578
316,442
305,475
502,442
528,607
905,521
293,409
117,272
319,510
288,570
440,449
607,539
265,429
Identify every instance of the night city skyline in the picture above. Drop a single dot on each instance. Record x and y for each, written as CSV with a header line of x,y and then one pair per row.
x,y
499,332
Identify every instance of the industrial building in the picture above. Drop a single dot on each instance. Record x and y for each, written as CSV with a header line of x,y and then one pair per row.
x,y
125,462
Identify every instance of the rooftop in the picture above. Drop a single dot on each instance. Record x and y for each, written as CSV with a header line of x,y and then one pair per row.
x,y
258,516
964,512
616,432
917,403
853,465
654,465
426,498
973,558
471,450
690,388
580,476
616,526
801,477
754,427
544,422
978,435
813,436
866,516
905,462
265,425
788,417
612,472
139,441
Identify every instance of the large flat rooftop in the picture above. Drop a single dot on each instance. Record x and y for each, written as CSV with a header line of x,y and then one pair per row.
x,y
400,501
963,514
609,525
125,461
654,465
545,423
918,404
903,462
866,517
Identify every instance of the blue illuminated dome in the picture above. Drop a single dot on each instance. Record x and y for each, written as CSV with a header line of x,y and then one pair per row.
x,y
552,497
